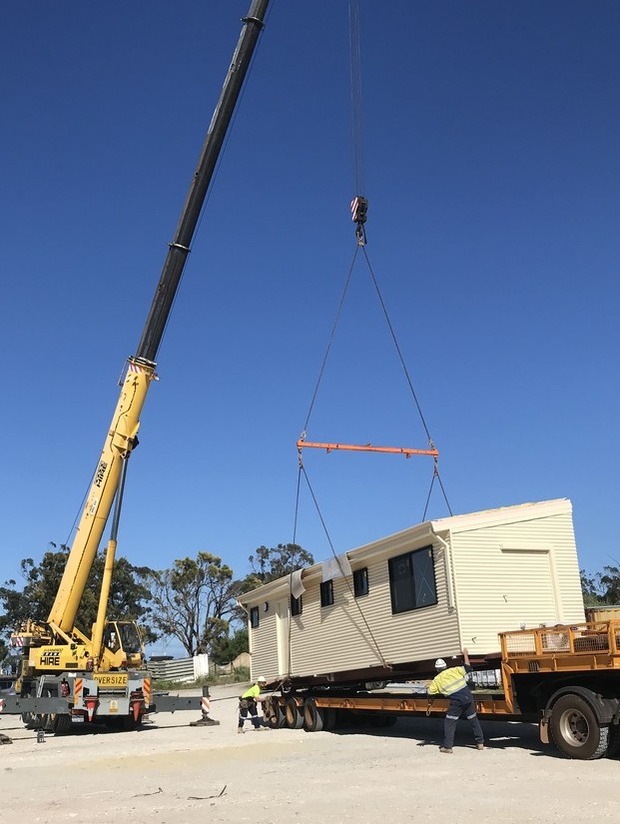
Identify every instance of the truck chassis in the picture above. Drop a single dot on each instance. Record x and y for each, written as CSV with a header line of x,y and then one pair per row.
x,y
565,678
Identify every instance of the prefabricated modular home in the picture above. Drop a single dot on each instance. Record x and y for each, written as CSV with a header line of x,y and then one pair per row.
x,y
389,608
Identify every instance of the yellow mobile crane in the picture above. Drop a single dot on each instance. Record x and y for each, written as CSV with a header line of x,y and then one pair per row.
x,y
67,676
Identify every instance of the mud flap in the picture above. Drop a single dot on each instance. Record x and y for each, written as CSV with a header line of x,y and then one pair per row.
x,y
543,729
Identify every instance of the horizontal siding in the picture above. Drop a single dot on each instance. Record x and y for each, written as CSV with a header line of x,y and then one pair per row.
x,y
356,633
498,590
493,591
263,646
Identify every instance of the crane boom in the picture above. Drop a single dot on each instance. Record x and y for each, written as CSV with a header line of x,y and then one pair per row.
x,y
140,371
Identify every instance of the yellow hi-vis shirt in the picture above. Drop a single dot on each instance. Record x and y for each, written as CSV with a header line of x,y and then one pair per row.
x,y
448,681
253,692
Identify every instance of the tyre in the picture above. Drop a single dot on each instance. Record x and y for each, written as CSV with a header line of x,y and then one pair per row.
x,y
40,721
329,718
274,714
575,729
293,716
62,724
124,723
314,716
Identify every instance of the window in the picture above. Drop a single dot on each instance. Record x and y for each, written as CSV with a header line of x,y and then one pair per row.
x,y
360,582
412,580
327,593
253,617
296,606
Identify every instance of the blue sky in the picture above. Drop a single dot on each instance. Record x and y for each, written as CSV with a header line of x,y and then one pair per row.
x,y
491,135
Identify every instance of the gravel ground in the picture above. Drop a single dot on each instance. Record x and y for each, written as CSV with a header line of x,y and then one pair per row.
x,y
171,773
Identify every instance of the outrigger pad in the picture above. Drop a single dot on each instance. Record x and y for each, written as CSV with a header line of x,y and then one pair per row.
x,y
4,739
204,722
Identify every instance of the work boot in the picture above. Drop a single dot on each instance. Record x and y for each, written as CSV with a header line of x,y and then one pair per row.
x,y
479,746
240,730
447,750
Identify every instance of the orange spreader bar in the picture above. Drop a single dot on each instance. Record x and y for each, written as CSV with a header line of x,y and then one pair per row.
x,y
398,450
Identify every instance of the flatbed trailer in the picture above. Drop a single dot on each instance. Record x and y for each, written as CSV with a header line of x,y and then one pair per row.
x,y
565,678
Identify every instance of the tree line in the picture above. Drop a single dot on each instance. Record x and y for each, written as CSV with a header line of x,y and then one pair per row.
x,y
601,588
194,601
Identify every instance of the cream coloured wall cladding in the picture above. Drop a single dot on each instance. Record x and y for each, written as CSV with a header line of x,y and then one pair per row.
x,y
493,570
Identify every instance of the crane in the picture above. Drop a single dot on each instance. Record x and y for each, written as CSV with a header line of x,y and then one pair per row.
x,y
103,675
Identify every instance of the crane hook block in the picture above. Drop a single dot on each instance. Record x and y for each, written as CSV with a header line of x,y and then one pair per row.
x,y
359,209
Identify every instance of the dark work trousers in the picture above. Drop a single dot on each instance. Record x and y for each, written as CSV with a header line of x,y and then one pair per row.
x,y
461,703
248,709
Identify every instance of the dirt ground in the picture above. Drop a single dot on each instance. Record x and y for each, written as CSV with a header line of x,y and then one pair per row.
x,y
171,773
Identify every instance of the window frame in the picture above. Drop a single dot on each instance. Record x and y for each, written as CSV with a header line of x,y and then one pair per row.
x,y
327,593
254,617
363,588
414,587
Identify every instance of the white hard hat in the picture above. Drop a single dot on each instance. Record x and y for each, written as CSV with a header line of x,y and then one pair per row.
x,y
261,679
440,664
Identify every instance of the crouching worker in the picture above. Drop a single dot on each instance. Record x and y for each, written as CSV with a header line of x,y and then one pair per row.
x,y
451,682
248,705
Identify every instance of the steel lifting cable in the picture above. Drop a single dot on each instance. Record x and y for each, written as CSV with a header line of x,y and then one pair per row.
x,y
359,211
302,471
331,340
359,204
342,572
409,383
403,450
355,71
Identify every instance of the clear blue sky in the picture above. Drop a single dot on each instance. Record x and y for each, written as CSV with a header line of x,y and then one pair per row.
x,y
492,166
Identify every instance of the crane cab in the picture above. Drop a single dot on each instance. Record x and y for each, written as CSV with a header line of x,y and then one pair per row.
x,y
123,647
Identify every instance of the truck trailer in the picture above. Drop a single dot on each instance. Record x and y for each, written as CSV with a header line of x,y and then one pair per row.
x,y
357,635
565,678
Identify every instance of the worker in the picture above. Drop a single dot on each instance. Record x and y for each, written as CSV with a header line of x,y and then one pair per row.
x,y
248,704
452,683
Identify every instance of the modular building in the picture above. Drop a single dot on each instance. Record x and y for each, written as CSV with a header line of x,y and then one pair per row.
x,y
386,610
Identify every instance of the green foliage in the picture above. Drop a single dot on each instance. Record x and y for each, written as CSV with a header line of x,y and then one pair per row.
x,y
194,601
269,563
610,582
238,676
228,647
128,596
602,588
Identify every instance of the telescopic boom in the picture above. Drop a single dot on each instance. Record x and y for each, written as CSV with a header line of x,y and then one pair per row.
x,y
122,436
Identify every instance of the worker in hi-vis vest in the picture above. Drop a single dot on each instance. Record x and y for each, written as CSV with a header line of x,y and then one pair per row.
x,y
248,705
451,682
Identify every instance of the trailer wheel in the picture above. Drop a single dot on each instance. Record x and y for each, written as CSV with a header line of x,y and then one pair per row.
x,y
329,718
293,716
575,729
274,714
314,717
